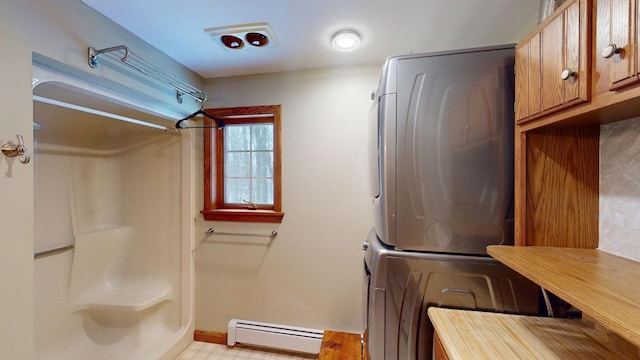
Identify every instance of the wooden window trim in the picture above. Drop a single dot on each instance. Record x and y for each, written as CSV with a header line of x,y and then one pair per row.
x,y
214,207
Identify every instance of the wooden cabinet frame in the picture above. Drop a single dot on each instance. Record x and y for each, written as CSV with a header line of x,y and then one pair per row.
x,y
556,174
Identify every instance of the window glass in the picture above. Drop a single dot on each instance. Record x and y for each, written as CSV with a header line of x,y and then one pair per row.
x,y
237,137
237,190
262,191
262,164
237,164
248,164
262,137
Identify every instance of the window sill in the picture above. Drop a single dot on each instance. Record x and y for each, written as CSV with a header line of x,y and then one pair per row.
x,y
264,216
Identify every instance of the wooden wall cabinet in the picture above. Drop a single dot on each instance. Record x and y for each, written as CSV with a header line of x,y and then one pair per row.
x,y
552,64
557,169
557,137
606,86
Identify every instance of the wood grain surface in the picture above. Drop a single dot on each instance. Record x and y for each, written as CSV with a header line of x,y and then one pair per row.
x,y
340,346
604,286
480,335
560,187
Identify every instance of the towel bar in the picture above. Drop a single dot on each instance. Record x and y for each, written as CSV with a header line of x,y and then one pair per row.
x,y
52,251
211,231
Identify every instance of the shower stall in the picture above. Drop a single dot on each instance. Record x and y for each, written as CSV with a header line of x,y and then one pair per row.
x,y
113,249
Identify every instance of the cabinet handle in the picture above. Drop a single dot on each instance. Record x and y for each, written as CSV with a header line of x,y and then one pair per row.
x,y
610,50
567,73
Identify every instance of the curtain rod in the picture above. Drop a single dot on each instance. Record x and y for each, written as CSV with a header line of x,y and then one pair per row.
x,y
102,113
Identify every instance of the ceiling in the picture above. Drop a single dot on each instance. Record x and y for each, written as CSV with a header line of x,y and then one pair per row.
x,y
303,28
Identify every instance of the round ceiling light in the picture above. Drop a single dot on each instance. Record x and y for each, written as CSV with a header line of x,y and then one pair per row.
x,y
345,40
232,42
257,39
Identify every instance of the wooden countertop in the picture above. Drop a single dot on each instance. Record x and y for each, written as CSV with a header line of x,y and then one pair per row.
x,y
480,335
603,286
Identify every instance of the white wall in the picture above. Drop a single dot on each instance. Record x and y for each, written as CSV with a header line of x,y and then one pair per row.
x,y
61,30
311,274
16,192
620,188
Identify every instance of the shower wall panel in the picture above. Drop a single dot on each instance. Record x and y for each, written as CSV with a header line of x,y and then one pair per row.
x,y
133,182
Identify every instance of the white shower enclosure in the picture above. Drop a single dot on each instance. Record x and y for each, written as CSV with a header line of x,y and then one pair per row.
x,y
113,249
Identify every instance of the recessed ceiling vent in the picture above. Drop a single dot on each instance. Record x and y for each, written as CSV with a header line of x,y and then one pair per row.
x,y
245,36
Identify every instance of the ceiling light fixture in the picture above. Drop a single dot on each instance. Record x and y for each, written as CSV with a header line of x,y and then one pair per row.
x,y
232,42
345,40
257,39
244,36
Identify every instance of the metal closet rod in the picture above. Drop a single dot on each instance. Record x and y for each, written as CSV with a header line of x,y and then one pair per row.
x,y
149,69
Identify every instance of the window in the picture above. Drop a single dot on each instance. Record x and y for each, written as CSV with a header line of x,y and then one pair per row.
x,y
242,179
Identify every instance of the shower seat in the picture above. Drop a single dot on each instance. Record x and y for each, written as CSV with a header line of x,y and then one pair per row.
x,y
99,276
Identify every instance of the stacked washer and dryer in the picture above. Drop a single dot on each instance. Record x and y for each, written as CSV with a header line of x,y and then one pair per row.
x,y
441,139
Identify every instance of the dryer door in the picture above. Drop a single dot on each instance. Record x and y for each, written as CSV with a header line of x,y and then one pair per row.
x,y
454,152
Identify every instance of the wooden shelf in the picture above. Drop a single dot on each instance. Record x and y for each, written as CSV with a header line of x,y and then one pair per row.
x,y
603,286
480,335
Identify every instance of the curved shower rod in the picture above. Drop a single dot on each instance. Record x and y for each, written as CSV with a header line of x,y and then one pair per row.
x,y
147,68
151,70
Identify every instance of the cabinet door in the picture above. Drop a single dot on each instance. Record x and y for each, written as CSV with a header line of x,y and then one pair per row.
x,y
528,78
621,51
577,48
555,62
563,50
552,53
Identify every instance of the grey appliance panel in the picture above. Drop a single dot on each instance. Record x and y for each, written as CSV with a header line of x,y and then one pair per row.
x,y
445,151
406,284
383,166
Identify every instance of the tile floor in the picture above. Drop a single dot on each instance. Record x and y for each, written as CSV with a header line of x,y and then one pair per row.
x,y
207,351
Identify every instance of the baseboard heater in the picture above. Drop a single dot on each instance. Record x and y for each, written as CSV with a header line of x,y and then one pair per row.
x,y
274,336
